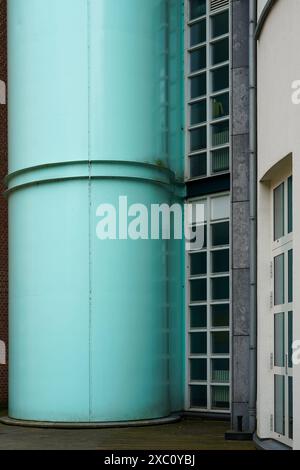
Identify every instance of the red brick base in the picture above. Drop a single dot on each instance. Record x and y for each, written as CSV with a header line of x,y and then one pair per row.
x,y
3,206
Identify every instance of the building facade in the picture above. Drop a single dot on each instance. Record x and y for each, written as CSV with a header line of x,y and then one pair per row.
x,y
189,103
278,222
217,172
154,100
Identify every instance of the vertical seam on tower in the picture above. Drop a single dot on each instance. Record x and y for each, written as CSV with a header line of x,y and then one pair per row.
x,y
89,203
167,125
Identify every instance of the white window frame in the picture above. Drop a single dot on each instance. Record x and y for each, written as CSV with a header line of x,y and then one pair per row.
x,y
209,328
209,95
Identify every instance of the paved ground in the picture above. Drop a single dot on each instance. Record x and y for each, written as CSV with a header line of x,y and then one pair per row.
x,y
189,434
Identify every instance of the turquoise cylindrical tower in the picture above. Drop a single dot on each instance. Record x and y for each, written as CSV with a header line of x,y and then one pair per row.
x,y
96,330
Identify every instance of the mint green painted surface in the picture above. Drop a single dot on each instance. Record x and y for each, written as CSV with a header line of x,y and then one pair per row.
x,y
96,327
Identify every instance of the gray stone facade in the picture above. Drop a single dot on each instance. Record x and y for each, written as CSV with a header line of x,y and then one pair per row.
x,y
240,215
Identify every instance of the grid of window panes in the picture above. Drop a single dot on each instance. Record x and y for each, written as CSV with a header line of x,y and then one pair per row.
x,y
208,308
208,94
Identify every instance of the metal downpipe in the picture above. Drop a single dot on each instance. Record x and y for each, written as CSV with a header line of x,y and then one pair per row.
x,y
253,215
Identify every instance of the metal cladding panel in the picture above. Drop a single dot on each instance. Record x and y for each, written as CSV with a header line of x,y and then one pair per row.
x,y
48,81
136,92
93,323
128,65
129,319
48,303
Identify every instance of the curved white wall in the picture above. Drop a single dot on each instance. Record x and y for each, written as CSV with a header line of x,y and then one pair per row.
x,y
278,136
278,66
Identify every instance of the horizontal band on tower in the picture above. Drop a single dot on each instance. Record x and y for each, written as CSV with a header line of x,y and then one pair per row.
x,y
173,418
94,169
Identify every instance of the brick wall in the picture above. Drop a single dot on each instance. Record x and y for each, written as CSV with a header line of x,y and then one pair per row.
x,y
3,206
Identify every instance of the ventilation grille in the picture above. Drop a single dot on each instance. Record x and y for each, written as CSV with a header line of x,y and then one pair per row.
x,y
217,4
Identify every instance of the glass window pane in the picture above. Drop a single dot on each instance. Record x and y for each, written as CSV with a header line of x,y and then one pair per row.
x,y
279,345
220,207
279,212
290,339
220,133
198,290
220,288
220,24
198,395
198,369
291,414
290,204
198,316
220,261
198,342
220,106
290,276
198,263
220,342
198,59
220,370
198,33
198,139
279,404
198,165
220,234
198,86
220,51
197,8
279,280
198,112
220,315
220,160
220,78
220,397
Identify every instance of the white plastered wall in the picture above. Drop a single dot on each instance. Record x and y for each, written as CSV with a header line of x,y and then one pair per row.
x,y
278,136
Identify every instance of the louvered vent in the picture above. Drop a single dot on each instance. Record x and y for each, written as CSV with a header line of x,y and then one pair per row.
x,y
217,4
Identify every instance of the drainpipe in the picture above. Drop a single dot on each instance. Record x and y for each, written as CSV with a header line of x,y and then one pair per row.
x,y
253,211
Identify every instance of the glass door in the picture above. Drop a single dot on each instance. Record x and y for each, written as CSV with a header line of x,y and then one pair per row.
x,y
282,269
